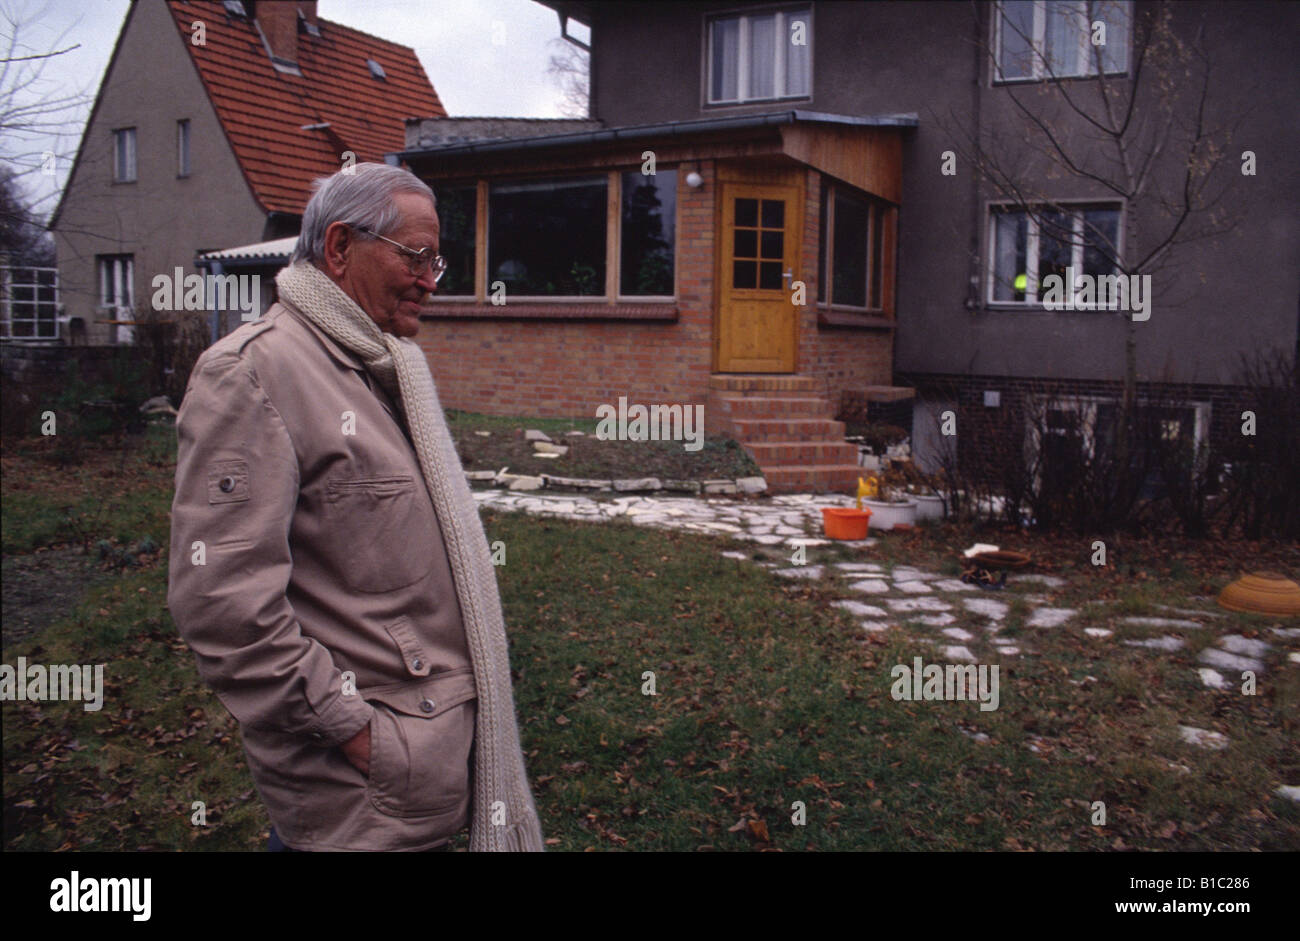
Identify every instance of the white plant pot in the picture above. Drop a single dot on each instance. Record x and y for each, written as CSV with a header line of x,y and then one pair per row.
x,y
929,506
888,515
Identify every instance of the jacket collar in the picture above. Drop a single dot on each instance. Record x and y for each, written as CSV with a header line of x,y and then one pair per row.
x,y
340,354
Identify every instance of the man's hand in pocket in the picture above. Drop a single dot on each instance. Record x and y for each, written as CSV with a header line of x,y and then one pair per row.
x,y
357,750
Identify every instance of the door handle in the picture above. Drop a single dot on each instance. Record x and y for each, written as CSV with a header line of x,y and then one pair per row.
x,y
789,274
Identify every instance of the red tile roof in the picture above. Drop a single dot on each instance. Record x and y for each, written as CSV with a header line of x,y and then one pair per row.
x,y
263,110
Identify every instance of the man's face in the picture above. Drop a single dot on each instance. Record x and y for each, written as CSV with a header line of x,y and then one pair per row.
x,y
378,276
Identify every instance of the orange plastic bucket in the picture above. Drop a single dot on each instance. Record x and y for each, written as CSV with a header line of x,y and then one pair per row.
x,y
845,522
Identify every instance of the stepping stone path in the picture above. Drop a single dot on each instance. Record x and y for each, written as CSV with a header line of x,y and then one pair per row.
x,y
1050,617
921,603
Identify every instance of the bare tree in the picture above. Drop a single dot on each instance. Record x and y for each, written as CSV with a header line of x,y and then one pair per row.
x,y
1142,136
35,111
570,68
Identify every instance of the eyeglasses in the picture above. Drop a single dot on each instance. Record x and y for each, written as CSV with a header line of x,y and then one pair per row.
x,y
419,262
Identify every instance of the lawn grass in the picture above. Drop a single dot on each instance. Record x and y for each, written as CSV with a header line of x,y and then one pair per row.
x,y
766,695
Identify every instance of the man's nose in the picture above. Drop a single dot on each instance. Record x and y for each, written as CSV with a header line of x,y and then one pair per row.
x,y
428,281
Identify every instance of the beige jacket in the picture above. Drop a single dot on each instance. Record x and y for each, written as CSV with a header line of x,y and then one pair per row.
x,y
309,576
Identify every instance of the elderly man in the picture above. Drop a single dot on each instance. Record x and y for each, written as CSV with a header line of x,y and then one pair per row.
x,y
328,566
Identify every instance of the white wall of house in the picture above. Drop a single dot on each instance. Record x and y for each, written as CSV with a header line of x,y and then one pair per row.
x,y
162,220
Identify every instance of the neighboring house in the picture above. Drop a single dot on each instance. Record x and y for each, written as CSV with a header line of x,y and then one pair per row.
x,y
816,163
212,120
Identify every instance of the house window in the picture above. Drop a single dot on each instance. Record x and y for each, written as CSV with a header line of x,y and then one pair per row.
x,y
1077,431
648,235
183,148
1038,39
124,155
760,56
457,209
116,292
29,303
856,246
1027,246
547,238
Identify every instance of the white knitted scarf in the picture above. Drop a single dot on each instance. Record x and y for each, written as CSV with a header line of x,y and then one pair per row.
x,y
400,367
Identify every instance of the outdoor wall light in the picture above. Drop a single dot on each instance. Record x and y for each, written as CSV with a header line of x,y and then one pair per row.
x,y
694,180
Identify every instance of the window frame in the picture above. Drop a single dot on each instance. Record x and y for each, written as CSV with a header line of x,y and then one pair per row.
x,y
10,282
611,296
883,223
745,16
184,167
122,269
1032,238
130,134
1086,406
1039,72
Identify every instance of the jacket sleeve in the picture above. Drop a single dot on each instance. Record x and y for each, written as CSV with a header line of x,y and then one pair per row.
x,y
230,562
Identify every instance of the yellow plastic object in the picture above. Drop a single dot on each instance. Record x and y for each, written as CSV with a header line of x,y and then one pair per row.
x,y
1262,593
869,488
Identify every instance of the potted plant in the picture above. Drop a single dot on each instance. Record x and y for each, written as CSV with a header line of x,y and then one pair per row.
x,y
929,506
890,507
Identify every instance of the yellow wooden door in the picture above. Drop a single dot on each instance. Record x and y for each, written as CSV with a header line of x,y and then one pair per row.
x,y
758,255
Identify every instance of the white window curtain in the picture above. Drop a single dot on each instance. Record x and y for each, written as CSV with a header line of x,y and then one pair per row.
x,y
726,59
762,57
798,80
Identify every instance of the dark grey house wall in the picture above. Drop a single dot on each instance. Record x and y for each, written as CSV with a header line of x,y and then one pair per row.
x,y
1220,300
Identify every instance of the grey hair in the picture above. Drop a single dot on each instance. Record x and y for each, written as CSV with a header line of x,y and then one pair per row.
x,y
359,196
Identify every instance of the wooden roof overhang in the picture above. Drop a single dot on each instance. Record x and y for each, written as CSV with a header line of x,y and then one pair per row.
x,y
865,152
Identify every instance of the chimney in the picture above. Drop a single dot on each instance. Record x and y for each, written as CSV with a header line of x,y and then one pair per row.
x,y
278,23
308,10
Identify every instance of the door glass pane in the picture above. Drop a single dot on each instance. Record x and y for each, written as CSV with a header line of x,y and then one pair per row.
x,y
774,244
747,212
769,275
744,274
746,243
773,214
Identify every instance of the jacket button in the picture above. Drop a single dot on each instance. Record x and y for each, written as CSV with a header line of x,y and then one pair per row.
x,y
227,484
428,705
416,664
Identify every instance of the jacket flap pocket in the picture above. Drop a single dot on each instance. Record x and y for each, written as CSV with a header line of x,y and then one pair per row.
x,y
417,663
429,698
228,482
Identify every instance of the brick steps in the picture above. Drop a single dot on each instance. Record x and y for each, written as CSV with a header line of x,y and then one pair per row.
x,y
789,431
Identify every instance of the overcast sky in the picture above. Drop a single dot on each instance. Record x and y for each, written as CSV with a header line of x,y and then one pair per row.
x,y
484,57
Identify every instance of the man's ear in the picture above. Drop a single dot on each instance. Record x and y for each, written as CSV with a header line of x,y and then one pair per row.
x,y
338,248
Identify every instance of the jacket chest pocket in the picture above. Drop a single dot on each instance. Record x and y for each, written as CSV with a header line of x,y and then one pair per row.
x,y
420,739
382,527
